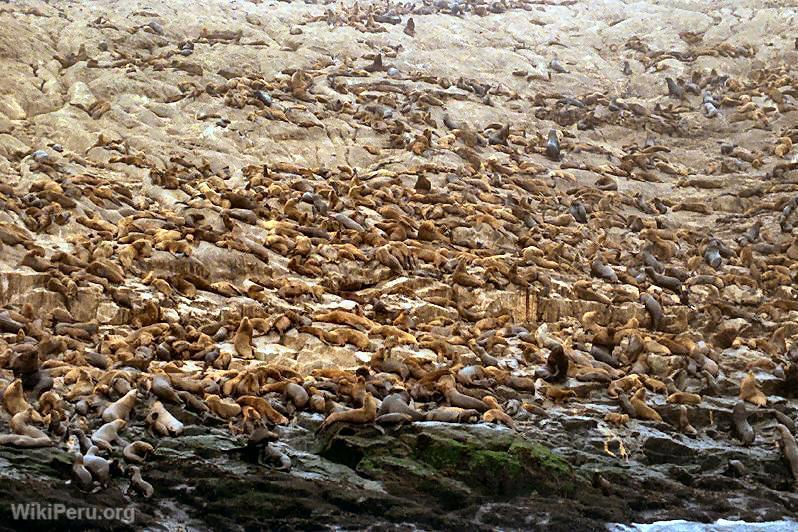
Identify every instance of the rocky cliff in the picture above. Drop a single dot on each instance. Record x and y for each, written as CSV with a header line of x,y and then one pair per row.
x,y
494,264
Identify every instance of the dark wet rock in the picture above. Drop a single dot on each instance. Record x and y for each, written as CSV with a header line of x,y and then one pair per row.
x,y
464,460
667,450
432,474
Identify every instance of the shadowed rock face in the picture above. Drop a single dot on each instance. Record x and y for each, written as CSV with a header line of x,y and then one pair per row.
x,y
254,216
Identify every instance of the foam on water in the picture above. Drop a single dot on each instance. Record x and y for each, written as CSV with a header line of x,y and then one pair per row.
x,y
721,525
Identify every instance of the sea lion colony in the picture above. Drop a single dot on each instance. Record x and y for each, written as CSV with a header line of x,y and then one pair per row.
x,y
466,270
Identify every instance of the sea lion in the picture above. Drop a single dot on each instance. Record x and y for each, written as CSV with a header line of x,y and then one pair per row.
x,y
712,385
495,414
737,469
121,408
577,210
641,409
712,256
297,394
664,281
674,90
553,145
558,393
107,434
783,419
410,27
684,422
395,404
260,435
99,467
80,474
10,324
137,451
533,408
138,484
556,368
601,270
376,64
23,441
276,458
446,385
248,384
451,414
82,443
627,383
193,402
393,418
602,354
13,398
50,401
365,414
345,336
161,386
163,423
224,408
743,429
684,398
616,418
264,408
598,481
749,391
789,448
26,367
654,310
20,423
500,137
242,341
342,317
82,384
423,184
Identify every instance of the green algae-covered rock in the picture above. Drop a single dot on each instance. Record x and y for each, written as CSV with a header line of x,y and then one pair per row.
x,y
452,462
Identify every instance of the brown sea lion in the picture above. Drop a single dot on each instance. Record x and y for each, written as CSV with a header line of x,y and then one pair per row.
x,y
13,399
105,436
138,484
121,408
556,368
496,414
641,409
749,391
242,341
365,414
396,403
162,422
446,385
452,414
137,451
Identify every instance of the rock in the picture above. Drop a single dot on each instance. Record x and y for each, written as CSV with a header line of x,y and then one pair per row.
x,y
6,125
464,462
12,148
662,449
81,96
11,108
174,181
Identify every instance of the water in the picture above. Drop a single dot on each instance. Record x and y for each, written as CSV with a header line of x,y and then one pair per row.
x,y
721,525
